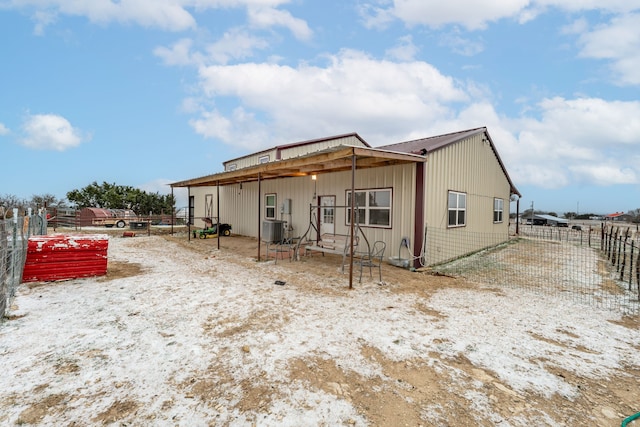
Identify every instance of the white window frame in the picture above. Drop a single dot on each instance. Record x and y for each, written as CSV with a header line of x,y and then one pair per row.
x,y
365,212
270,210
457,208
263,159
498,210
232,167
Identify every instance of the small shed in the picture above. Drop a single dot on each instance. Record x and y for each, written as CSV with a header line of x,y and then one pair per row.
x,y
88,215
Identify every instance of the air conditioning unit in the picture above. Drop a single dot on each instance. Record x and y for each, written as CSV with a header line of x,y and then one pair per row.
x,y
273,231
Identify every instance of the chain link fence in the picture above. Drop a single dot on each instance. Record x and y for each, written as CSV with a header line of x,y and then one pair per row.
x,y
15,231
598,266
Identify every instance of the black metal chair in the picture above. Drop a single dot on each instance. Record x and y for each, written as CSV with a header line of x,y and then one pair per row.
x,y
373,259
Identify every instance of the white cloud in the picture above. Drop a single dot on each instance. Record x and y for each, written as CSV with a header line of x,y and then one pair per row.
x,y
179,53
241,129
579,141
609,6
461,45
473,15
50,132
165,14
404,50
605,174
477,14
267,17
3,129
234,44
619,42
170,15
578,26
353,91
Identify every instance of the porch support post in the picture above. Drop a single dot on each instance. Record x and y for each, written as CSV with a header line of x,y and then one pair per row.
x,y
259,210
351,228
173,212
518,217
418,231
218,210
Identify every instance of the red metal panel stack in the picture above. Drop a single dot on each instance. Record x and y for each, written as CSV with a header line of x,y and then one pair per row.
x,y
64,256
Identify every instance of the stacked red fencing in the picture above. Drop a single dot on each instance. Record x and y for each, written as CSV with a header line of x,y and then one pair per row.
x,y
63,256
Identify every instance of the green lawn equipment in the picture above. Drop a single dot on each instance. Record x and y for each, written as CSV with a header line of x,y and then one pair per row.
x,y
212,232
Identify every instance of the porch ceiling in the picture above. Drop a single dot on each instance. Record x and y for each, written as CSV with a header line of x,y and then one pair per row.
x,y
332,160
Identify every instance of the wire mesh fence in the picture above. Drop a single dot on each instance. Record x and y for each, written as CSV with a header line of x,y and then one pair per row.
x,y
15,231
66,218
598,267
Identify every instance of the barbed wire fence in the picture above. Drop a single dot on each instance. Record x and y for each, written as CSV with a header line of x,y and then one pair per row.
x,y
598,266
15,230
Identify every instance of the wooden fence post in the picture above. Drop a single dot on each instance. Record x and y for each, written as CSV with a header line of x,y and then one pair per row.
x,y
638,273
624,253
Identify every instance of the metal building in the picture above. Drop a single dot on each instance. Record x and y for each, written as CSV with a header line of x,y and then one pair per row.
x,y
454,183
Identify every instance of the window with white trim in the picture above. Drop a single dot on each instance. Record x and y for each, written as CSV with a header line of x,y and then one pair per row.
x,y
498,210
374,207
457,209
270,206
232,167
263,159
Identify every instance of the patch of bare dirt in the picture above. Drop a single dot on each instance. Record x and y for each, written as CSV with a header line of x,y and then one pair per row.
x,y
36,412
118,411
407,392
120,270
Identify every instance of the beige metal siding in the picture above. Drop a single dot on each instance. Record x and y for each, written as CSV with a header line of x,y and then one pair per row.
x,y
301,150
470,167
251,160
239,207
293,151
199,194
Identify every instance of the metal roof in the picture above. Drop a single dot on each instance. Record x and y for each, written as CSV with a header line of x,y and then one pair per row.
x,y
333,159
424,146
301,144
550,218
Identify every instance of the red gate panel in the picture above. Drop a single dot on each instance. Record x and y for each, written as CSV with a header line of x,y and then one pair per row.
x,y
64,256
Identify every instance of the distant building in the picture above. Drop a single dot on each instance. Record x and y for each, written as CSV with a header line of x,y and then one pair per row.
x,y
618,216
547,220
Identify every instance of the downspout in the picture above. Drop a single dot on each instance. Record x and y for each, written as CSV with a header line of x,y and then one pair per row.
x,y
351,228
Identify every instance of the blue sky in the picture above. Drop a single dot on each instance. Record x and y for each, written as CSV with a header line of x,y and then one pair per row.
x,y
144,93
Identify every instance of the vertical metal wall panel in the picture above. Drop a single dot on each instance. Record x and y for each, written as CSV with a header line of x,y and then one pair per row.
x,y
239,206
471,167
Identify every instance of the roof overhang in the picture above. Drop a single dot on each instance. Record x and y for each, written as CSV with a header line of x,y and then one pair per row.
x,y
335,159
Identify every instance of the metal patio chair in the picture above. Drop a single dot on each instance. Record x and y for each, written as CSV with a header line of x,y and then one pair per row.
x,y
372,260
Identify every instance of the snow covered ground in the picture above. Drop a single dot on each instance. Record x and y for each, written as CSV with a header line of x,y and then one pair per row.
x,y
192,336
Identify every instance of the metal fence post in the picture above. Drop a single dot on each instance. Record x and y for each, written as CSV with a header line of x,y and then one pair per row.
x,y
631,264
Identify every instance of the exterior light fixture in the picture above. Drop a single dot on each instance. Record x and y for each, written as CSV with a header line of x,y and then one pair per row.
x,y
314,178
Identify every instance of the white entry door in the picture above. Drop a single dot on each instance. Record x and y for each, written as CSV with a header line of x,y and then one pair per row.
x,y
327,214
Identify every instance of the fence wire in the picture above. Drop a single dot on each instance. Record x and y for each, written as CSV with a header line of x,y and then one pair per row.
x,y
567,263
15,231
